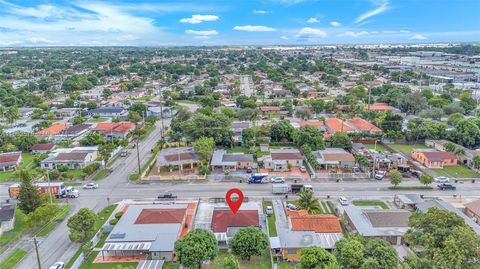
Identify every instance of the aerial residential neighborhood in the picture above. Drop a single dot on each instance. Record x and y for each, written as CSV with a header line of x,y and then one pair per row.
x,y
285,134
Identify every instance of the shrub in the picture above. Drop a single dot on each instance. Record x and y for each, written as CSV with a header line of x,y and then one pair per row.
x,y
113,221
62,168
134,177
118,215
91,168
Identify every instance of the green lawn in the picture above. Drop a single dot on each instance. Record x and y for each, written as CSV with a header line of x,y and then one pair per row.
x,y
27,163
88,264
287,265
272,228
371,203
379,148
12,260
75,174
102,240
457,171
100,175
98,119
237,150
20,228
171,265
407,149
261,262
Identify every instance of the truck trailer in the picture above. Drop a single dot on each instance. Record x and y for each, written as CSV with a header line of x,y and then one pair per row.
x,y
57,189
280,188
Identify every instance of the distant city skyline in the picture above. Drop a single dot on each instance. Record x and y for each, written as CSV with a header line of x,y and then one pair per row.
x,y
249,22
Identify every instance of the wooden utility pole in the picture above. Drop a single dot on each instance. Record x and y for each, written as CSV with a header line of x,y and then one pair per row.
x,y
36,251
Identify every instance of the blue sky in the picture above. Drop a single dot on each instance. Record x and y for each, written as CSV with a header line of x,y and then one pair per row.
x,y
236,22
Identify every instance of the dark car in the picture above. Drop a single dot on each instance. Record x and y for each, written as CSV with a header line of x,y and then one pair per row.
x,y
446,186
167,195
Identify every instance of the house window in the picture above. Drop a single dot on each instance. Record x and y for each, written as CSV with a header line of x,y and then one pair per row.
x,y
291,251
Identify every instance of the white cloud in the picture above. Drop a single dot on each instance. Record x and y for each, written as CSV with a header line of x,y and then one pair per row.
x,y
40,40
313,20
381,6
202,33
353,34
254,28
288,2
197,18
284,37
310,33
405,31
418,37
335,24
260,12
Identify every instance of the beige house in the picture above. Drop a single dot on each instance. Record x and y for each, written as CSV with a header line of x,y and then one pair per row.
x,y
281,159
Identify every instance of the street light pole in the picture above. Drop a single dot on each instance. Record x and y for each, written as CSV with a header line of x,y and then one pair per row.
x,y
36,251
138,159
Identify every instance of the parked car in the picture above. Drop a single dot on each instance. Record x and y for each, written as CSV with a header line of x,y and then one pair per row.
x,y
416,173
90,185
303,169
277,180
292,207
249,170
167,195
57,265
441,179
269,210
446,186
356,169
123,153
343,201
379,175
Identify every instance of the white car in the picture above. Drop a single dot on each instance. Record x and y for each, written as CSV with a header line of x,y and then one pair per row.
x,y
441,179
269,210
292,207
90,186
277,180
58,265
343,201
379,175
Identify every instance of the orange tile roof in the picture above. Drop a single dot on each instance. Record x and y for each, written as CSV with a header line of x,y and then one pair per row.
x,y
380,107
315,123
124,127
54,129
293,213
351,125
363,125
119,127
316,223
336,125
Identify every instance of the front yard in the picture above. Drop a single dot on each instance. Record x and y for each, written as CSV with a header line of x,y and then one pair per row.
x,y
20,228
456,171
378,147
261,262
407,148
28,163
371,203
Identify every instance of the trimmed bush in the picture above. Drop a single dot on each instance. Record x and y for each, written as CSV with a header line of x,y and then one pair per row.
x,y
113,221
118,215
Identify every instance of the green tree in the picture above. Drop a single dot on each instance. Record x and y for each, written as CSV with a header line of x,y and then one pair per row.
x,y
395,178
362,160
415,262
426,179
311,136
82,225
382,252
42,215
106,94
444,238
248,242
24,140
476,162
307,202
371,263
204,147
247,114
230,262
92,139
316,258
282,131
341,140
133,116
29,196
195,248
349,252
303,113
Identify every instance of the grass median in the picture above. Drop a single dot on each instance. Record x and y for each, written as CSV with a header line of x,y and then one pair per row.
x,y
14,258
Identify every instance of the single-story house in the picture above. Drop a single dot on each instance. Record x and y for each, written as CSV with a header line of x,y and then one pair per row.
x,y
353,125
334,158
472,210
7,218
407,201
181,157
66,112
230,161
26,112
388,224
10,160
269,110
306,230
42,148
109,112
225,224
432,158
50,132
237,129
280,159
314,123
149,230
72,158
440,204
73,132
380,107
118,130
389,160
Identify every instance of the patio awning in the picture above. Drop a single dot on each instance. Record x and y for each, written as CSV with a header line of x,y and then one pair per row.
x,y
127,246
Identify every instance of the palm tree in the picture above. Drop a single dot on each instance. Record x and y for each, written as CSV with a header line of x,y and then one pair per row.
x,y
2,113
308,202
13,114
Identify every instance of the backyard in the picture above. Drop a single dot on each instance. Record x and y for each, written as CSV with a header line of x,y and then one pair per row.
x,y
456,171
88,264
371,203
378,147
407,148
20,228
27,163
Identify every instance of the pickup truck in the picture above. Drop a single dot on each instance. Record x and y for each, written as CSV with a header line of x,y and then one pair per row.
x,y
446,186
167,195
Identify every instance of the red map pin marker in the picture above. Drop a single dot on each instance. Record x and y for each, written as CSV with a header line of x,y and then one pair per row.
x,y
234,204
